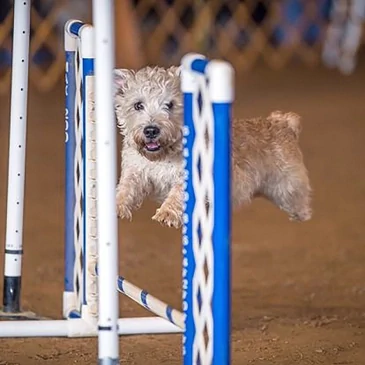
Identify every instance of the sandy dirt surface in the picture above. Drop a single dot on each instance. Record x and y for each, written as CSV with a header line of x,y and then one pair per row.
x,y
298,289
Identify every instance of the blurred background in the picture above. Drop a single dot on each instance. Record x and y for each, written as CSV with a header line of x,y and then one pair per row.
x,y
248,33
298,292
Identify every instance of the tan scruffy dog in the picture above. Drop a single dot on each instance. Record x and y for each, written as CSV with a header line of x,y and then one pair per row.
x,y
267,159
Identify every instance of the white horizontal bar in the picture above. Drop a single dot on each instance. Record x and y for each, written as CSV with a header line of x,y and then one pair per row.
x,y
59,328
81,328
146,325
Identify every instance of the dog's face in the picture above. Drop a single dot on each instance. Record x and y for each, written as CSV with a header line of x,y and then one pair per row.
x,y
149,110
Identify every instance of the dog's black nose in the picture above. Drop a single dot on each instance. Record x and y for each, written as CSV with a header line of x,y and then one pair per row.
x,y
151,131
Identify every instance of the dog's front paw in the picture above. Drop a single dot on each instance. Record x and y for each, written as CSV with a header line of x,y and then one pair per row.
x,y
123,211
168,217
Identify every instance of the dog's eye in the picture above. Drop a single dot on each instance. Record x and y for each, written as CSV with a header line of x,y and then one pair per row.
x,y
138,106
169,105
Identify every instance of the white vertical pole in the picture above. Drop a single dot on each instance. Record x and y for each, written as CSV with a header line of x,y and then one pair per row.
x,y
16,168
103,21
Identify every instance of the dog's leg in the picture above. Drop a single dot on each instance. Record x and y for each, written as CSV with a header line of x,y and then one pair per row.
x,y
171,211
130,194
244,186
292,194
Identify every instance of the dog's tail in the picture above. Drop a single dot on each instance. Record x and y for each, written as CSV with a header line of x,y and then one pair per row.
x,y
291,120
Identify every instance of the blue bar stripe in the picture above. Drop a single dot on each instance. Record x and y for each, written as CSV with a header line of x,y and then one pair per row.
x,y
199,65
74,314
120,284
13,252
144,295
169,314
105,328
75,28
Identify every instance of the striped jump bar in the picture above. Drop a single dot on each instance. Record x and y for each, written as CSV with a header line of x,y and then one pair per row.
x,y
151,303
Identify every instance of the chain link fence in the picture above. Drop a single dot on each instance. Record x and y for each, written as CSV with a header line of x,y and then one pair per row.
x,y
244,32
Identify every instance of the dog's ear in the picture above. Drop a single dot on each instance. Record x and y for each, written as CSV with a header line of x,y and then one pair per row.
x,y
121,78
175,70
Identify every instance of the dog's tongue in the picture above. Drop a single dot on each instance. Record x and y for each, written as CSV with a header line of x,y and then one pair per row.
x,y
152,145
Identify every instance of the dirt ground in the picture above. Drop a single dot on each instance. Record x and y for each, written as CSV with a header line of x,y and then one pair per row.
x,y
298,289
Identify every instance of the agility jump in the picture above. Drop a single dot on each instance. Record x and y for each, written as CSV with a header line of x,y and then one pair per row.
x,y
91,272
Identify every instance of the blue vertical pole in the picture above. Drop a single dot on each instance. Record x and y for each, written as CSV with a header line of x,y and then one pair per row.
x,y
221,302
221,91
70,146
72,27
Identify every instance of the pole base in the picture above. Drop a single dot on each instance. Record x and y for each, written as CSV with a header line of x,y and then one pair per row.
x,y
108,361
20,316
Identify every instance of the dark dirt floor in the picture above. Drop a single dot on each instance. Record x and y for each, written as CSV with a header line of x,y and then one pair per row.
x,y
298,289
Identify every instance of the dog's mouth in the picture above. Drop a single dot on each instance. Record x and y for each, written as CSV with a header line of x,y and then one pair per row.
x,y
152,146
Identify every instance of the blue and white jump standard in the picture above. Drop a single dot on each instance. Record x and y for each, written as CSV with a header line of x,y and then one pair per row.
x,y
208,95
82,229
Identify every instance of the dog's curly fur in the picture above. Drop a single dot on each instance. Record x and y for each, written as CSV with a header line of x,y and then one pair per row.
x,y
266,157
